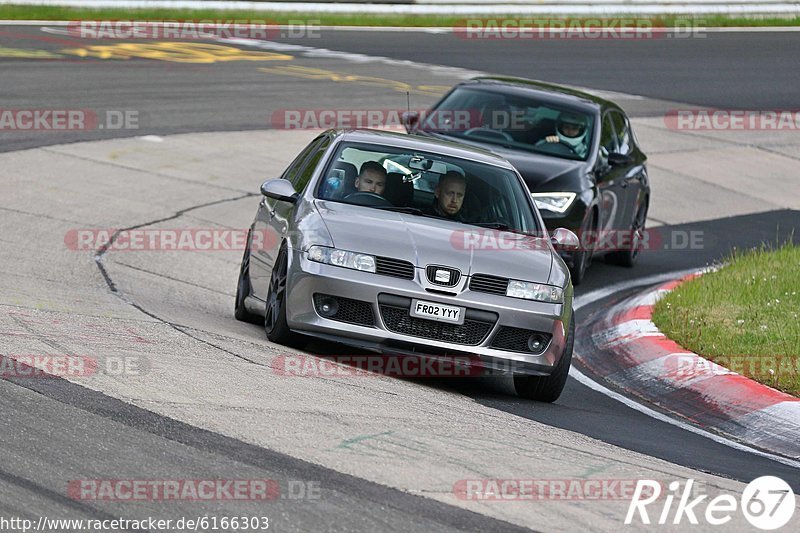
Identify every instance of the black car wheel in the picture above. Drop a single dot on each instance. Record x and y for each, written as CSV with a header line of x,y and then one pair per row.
x,y
548,388
629,257
275,324
240,312
581,260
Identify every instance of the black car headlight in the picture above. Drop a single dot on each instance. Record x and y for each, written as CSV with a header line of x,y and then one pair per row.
x,y
557,202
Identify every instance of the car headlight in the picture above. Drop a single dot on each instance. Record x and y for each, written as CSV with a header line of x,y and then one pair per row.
x,y
535,291
558,202
342,258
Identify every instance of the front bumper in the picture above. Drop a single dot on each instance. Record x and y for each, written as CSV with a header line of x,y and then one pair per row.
x,y
307,278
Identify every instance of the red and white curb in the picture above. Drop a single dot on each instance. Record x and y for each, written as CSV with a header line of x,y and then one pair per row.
x,y
635,356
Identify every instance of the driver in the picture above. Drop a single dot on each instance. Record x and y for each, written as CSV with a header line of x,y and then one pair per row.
x,y
571,130
372,178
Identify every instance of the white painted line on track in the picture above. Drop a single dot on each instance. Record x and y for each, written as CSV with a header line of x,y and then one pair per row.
x,y
582,378
427,29
654,7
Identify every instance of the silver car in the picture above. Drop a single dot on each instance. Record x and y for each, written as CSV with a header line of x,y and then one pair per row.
x,y
411,246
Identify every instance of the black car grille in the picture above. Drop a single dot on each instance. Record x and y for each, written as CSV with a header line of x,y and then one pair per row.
x,y
454,275
349,310
516,339
397,319
386,266
487,283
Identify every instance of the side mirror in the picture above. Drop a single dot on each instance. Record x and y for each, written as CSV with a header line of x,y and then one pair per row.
x,y
410,119
564,239
280,189
615,159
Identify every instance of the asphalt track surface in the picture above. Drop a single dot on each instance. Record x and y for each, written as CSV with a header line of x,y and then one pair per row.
x,y
725,70
77,432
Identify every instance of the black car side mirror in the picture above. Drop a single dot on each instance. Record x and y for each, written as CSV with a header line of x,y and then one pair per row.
x,y
616,159
281,190
410,119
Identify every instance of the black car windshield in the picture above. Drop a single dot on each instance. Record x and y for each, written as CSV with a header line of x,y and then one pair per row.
x,y
428,185
512,121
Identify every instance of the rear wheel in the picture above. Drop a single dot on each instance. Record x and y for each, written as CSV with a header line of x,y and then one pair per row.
x,y
275,324
629,257
548,388
240,312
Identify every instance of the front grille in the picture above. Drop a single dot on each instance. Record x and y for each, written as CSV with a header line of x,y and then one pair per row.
x,y
516,339
350,311
386,266
487,283
454,275
397,319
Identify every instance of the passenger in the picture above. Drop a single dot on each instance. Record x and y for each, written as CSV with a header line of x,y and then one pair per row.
x,y
449,196
372,178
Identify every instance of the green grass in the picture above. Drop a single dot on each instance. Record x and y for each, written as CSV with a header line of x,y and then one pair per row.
x,y
743,317
12,12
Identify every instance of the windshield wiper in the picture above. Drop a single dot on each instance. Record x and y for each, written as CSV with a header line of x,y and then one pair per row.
x,y
501,227
402,209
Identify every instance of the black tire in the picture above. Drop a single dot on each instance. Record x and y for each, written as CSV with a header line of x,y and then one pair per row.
x,y
548,388
628,258
243,290
582,260
275,325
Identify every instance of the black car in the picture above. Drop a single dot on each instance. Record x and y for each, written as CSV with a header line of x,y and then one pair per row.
x,y
577,153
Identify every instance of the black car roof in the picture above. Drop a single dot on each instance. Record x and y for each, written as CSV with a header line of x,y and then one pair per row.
x,y
543,91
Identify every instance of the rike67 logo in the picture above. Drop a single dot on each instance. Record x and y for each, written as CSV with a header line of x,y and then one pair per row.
x,y
767,503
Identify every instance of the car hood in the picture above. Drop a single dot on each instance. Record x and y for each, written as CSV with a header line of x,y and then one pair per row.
x,y
429,241
540,172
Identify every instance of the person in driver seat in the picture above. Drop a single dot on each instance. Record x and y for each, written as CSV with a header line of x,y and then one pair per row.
x,y
449,196
571,130
372,178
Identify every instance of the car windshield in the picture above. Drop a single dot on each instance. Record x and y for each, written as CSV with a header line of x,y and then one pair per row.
x,y
512,121
428,185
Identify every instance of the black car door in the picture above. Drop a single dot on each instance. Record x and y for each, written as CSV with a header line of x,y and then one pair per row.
x,y
631,172
610,182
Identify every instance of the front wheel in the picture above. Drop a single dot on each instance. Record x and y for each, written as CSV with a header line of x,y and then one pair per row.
x,y
275,324
240,312
548,388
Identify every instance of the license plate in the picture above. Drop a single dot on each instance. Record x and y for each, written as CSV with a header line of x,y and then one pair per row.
x,y
441,313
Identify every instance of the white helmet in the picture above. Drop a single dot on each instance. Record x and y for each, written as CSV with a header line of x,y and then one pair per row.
x,y
575,135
